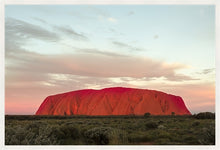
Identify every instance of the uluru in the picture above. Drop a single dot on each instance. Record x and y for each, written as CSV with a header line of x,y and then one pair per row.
x,y
113,101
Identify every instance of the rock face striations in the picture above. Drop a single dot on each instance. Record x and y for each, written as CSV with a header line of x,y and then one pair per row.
x,y
113,101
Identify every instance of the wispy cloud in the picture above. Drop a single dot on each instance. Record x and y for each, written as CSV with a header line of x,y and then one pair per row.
x,y
68,31
40,20
99,52
23,30
123,45
156,36
130,13
207,71
94,51
20,32
102,65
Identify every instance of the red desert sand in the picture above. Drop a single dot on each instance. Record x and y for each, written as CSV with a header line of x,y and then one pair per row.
x,y
113,101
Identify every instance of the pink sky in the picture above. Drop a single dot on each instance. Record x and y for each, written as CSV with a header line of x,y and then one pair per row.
x,y
28,86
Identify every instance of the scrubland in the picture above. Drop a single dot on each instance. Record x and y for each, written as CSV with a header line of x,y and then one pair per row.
x,y
197,129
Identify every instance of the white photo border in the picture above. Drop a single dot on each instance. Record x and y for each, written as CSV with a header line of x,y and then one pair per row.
x,y
106,2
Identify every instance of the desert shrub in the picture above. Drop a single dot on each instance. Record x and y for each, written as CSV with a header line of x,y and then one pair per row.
x,y
80,122
70,131
205,115
30,138
132,127
172,113
46,137
190,139
13,141
161,127
64,132
104,135
160,121
163,141
32,125
20,133
164,134
139,137
57,132
30,135
208,136
15,136
99,136
68,123
146,115
151,125
196,123
153,134
9,132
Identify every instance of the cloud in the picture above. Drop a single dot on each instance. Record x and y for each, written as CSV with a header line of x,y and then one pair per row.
x,y
131,13
95,51
99,52
20,30
26,85
68,31
111,19
156,36
207,71
123,45
117,33
86,64
40,20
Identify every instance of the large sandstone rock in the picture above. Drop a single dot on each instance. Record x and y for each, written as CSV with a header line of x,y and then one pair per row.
x,y
113,101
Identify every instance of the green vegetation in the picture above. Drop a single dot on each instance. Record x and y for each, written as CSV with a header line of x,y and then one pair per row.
x,y
205,115
147,115
110,130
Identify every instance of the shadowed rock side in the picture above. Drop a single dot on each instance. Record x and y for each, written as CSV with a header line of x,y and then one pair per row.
x,y
113,101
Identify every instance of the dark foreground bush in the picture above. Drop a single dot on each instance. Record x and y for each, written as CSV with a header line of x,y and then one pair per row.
x,y
21,136
146,115
105,135
70,131
205,115
151,125
196,123
208,136
40,135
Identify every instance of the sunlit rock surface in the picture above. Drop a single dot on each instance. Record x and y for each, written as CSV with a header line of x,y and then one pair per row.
x,y
113,101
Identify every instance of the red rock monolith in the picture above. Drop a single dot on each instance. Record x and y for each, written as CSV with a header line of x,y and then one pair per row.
x,y
113,101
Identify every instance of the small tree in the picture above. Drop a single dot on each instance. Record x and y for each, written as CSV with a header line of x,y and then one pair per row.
x,y
172,113
205,115
147,115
